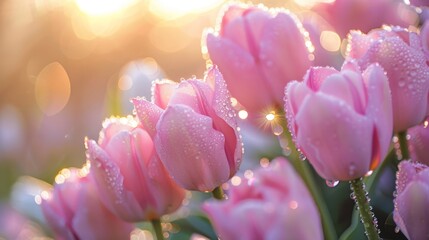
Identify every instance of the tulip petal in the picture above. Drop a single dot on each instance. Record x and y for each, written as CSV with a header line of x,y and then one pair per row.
x,y
162,91
411,208
239,69
193,153
379,107
288,62
109,181
148,114
93,213
316,75
325,123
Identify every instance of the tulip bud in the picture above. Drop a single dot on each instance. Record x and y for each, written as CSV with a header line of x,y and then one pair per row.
x,y
130,178
342,121
195,130
411,213
401,55
74,211
274,204
259,50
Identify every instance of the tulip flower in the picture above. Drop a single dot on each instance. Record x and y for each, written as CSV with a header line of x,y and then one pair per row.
x,y
195,130
411,213
259,50
74,211
419,143
274,204
346,15
341,120
401,55
130,178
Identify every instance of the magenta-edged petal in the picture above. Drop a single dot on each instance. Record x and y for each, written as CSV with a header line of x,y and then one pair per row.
x,y
316,75
288,62
347,86
320,139
109,181
411,208
379,107
191,150
148,114
162,91
239,69
93,213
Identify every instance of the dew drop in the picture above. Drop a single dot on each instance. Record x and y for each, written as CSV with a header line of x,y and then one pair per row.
x,y
352,169
401,83
369,173
332,183
397,229
277,129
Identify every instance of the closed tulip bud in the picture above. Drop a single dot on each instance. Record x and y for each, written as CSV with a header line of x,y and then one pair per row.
x,y
130,178
411,213
274,204
401,54
195,130
259,50
341,120
74,211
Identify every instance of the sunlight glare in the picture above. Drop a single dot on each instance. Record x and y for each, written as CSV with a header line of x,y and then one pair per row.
x,y
103,7
171,9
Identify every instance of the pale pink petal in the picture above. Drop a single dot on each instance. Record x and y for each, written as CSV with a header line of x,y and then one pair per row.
x,y
283,55
379,107
148,114
316,75
109,181
239,69
324,124
191,150
162,91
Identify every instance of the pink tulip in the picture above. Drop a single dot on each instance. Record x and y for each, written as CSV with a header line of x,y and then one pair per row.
x,y
131,180
259,51
74,211
419,142
342,121
401,54
364,15
275,204
195,130
411,212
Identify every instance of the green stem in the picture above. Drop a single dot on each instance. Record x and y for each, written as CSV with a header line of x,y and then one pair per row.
x,y
362,201
218,193
403,144
354,230
156,223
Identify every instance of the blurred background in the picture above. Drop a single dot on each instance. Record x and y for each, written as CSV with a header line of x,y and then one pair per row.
x,y
66,65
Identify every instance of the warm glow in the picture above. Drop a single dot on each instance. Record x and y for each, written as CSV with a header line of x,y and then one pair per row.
x,y
52,89
270,116
171,9
330,41
103,7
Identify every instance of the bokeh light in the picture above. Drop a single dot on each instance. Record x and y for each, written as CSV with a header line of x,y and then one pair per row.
x,y
171,9
103,7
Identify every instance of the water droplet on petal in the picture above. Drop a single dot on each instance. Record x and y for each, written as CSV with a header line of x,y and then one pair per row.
x,y
401,83
332,183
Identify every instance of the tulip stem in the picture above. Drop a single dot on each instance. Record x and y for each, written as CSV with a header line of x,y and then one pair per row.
x,y
218,193
403,144
360,196
156,223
